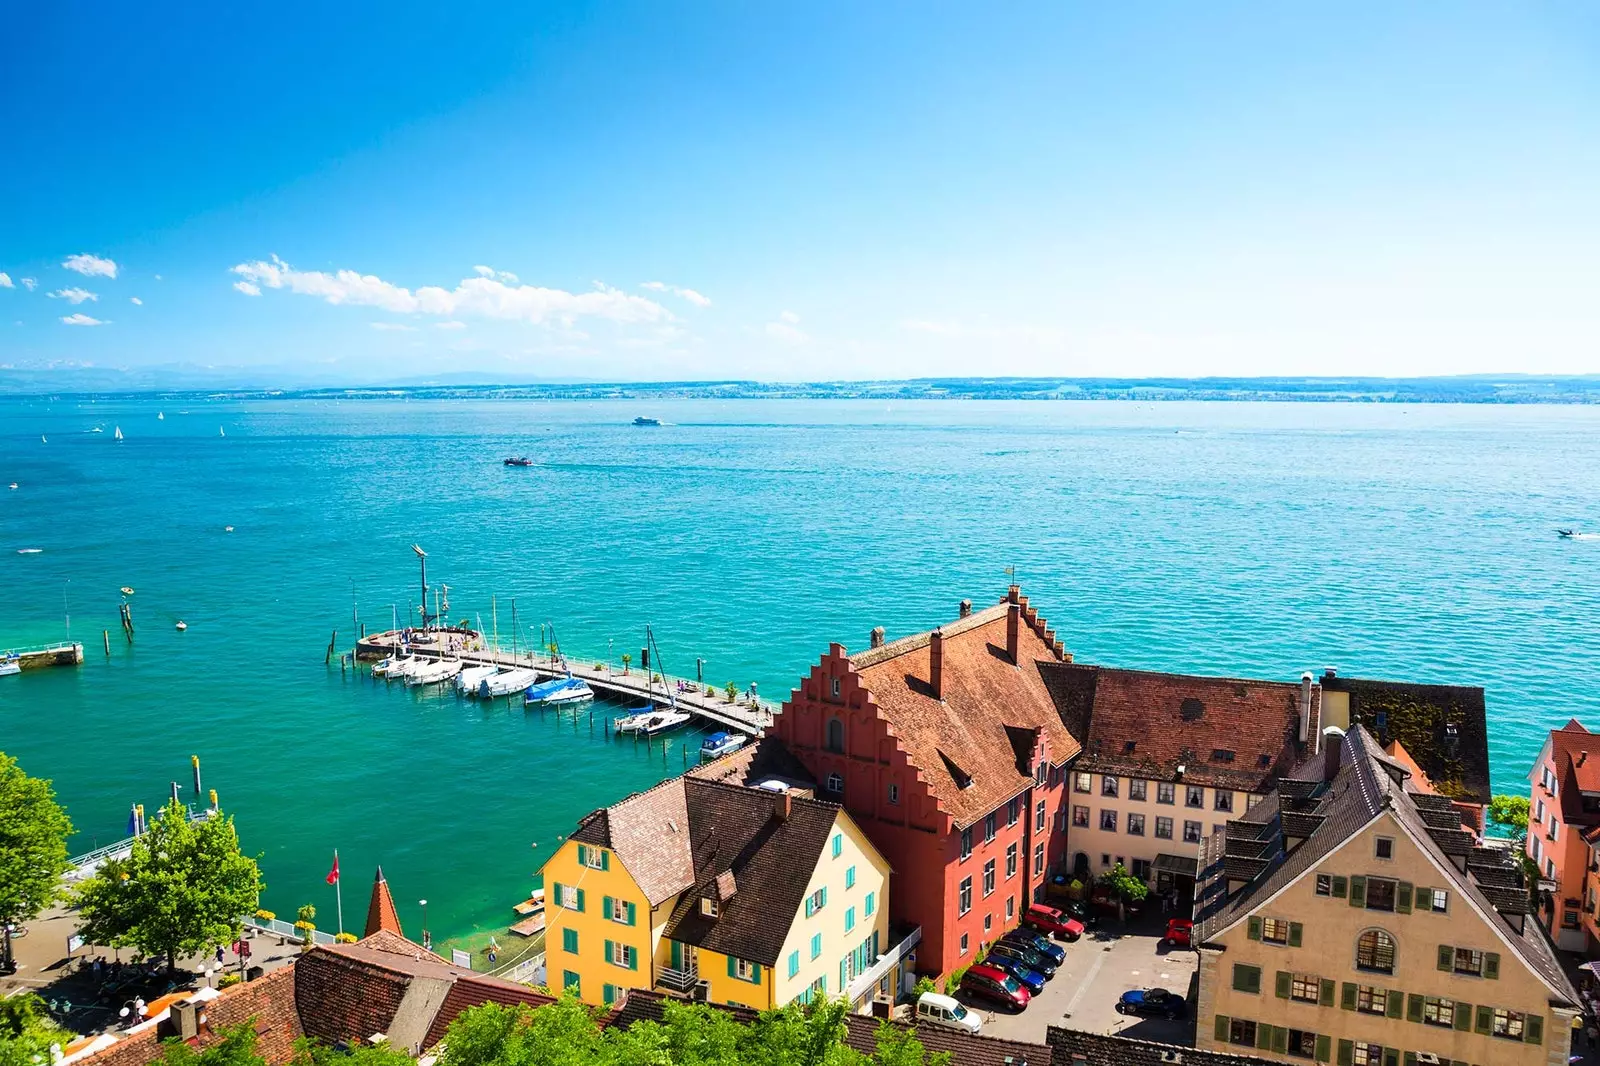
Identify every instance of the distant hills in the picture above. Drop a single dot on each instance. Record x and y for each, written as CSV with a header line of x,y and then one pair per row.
x,y
252,381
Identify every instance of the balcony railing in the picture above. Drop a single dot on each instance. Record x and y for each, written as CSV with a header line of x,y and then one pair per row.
x,y
680,981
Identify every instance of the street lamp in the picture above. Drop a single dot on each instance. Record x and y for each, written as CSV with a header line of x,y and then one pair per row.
x,y
425,943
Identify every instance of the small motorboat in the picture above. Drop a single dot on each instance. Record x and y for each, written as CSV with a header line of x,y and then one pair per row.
x,y
182,625
561,690
467,680
13,486
227,529
720,743
642,421
507,682
1568,534
519,460
635,719
662,721
10,664
434,672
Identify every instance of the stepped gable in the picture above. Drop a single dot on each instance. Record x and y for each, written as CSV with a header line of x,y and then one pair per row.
x,y
861,1033
381,913
1353,784
956,729
1443,728
1224,732
649,831
753,853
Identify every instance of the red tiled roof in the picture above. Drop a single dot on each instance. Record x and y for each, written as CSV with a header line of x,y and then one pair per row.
x,y
381,914
269,1000
1576,754
474,992
1223,731
963,745
649,831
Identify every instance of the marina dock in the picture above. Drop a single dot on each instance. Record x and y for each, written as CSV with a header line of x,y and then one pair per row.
x,y
66,653
744,715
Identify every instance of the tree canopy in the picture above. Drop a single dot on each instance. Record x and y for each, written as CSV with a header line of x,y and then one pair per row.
x,y
27,1031
1511,813
184,888
236,1048
1125,885
567,1033
33,847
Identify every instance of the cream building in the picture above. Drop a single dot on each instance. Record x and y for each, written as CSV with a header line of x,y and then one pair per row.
x,y
1349,918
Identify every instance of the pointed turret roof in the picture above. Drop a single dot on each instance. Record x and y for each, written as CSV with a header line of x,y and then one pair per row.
x,y
381,914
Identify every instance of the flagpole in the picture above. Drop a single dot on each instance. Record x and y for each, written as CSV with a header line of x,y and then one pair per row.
x,y
338,891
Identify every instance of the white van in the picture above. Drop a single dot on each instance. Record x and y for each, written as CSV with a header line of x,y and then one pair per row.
x,y
934,1009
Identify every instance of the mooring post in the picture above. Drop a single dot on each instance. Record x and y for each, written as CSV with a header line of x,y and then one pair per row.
x,y
105,635
328,656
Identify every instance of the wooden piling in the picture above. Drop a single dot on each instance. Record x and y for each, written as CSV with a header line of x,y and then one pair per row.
x,y
328,656
105,636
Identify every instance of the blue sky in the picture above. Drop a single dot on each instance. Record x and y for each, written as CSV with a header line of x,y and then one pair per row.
x,y
803,191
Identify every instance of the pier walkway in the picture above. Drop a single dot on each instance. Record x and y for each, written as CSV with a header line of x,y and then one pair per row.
x,y
744,716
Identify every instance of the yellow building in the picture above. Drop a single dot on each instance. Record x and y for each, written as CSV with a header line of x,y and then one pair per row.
x,y
1349,918
723,892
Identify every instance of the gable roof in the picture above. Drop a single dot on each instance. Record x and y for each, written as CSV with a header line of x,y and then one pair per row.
x,y
649,831
861,1033
1444,727
766,758
754,860
1224,732
961,743
1328,801
1576,754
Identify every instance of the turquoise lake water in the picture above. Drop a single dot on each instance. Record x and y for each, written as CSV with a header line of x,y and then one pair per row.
x,y
1256,539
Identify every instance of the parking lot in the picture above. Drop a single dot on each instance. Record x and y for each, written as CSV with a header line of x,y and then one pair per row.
x,y
1107,961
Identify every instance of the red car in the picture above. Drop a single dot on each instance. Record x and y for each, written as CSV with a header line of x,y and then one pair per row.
x,y
1180,932
992,983
1052,922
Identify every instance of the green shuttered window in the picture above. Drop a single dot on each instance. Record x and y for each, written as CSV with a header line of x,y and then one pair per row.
x,y
1246,978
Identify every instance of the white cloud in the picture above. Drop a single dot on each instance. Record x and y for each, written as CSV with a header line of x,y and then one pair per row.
x,y
698,299
75,296
90,266
158,277
29,284
135,301
5,281
450,325
394,327
490,272
787,329
247,288
81,320
481,296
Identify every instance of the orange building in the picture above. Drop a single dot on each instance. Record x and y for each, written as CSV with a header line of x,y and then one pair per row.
x,y
1564,834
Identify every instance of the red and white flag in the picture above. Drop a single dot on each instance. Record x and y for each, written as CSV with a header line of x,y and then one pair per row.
x,y
333,874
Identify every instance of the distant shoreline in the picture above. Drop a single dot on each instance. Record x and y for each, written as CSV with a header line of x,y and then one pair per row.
x,y
1474,389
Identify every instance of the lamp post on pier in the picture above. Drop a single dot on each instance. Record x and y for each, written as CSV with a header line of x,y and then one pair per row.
x,y
427,941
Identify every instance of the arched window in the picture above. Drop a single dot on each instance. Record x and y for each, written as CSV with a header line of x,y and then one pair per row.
x,y
835,735
1375,951
835,783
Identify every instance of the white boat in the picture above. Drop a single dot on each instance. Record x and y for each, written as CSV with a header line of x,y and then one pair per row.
x,y
662,721
467,680
434,672
161,416
402,669
9,665
382,667
576,691
119,432
507,682
720,743
632,723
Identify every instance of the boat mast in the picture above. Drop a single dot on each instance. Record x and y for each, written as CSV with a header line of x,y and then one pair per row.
x,y
514,629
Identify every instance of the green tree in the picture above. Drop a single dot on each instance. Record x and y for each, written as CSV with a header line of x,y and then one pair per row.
x,y
184,888
898,1046
1511,813
33,849
236,1048
309,1052
27,1031
1125,888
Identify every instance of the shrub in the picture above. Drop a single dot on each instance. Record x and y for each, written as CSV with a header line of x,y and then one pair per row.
x,y
265,915
228,980
345,938
924,984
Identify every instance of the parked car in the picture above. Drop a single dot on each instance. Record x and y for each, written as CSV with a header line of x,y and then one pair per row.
x,y
934,1009
1152,1003
1033,941
1180,933
1001,949
1051,922
987,982
1026,975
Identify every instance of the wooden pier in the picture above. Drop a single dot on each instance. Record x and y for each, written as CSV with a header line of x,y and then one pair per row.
x,y
743,716
67,653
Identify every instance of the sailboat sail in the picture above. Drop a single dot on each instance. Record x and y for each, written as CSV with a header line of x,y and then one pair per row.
x,y
119,432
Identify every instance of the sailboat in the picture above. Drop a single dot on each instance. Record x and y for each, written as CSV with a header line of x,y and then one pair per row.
x,y
221,432
161,416
43,439
119,432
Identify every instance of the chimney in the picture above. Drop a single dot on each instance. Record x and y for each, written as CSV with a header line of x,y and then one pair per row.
x,y
185,1017
877,637
782,805
1013,627
1305,704
936,663
1582,755
966,608
1333,751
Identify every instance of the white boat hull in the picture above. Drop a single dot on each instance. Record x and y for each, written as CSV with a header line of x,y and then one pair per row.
x,y
575,694
470,677
434,673
504,684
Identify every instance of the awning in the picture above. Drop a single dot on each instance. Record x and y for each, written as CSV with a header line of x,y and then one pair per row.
x,y
1177,865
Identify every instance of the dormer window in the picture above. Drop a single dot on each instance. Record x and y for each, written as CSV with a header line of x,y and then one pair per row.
x,y
708,906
